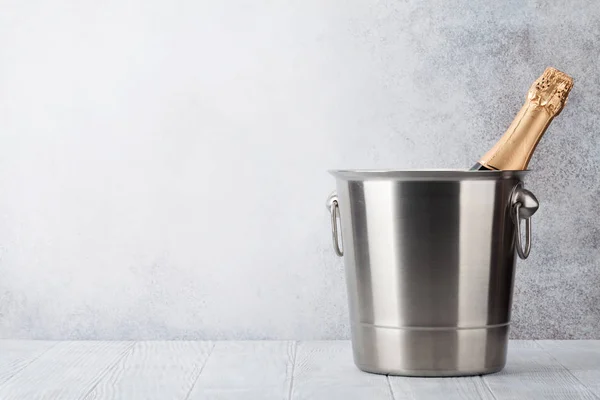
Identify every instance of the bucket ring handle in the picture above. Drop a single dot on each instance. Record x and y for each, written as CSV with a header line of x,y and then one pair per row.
x,y
523,253
524,205
334,209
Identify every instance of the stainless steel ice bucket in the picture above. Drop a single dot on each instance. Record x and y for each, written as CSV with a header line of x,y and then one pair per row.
x,y
429,259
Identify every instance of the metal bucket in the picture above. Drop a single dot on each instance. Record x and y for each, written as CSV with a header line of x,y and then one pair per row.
x,y
429,259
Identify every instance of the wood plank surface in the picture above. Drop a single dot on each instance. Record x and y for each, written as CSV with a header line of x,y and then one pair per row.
x,y
182,370
467,388
532,373
67,371
17,354
154,370
246,370
580,357
325,370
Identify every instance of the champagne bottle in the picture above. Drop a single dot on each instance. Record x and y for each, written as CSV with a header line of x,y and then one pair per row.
x,y
546,98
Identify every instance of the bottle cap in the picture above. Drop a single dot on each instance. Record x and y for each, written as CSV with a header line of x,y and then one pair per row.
x,y
551,90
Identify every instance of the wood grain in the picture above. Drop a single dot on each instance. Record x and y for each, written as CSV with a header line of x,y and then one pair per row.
x,y
467,388
67,371
154,370
17,354
580,357
31,370
246,370
532,373
325,370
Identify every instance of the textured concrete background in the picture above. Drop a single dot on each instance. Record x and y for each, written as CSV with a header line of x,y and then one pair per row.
x,y
162,163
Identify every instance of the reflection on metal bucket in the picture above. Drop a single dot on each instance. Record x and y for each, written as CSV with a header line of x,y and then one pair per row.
x,y
429,259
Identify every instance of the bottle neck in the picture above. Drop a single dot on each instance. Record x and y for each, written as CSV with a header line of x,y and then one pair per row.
x,y
514,150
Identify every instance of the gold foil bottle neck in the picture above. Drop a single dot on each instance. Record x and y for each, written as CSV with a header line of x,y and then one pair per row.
x,y
551,90
546,98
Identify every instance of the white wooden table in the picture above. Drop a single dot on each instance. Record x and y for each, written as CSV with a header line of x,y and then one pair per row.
x,y
32,370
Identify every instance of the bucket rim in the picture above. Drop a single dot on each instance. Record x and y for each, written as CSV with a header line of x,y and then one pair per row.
x,y
425,174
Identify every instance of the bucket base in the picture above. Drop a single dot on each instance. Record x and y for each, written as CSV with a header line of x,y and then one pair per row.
x,y
427,373
430,352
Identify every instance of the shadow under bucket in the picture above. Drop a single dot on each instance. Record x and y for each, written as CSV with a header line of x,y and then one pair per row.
x,y
429,258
